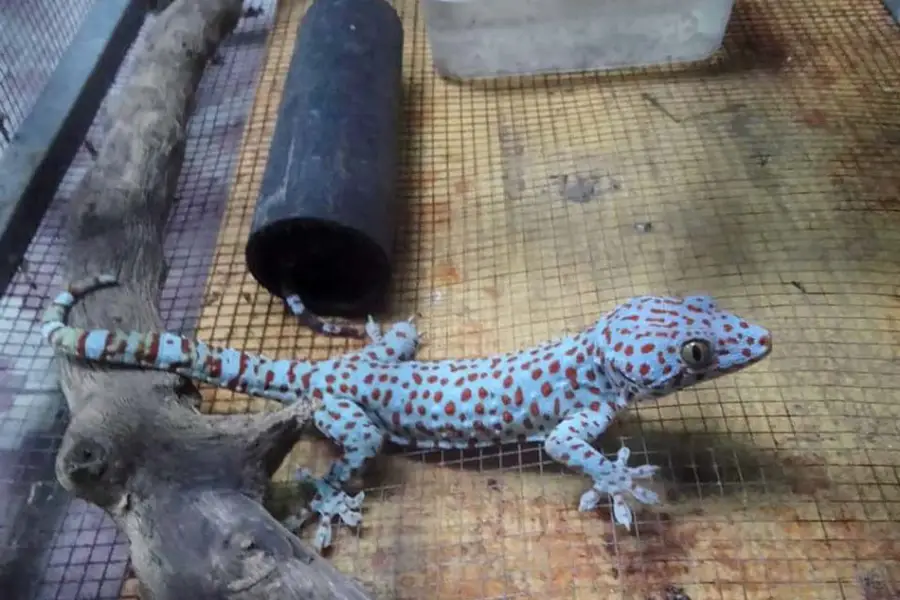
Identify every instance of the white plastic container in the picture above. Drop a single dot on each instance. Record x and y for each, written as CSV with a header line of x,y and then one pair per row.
x,y
494,38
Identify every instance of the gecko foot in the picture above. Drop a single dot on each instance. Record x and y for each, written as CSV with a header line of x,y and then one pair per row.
x,y
329,503
619,484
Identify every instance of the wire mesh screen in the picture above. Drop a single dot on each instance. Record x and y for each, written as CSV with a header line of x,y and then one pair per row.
x,y
766,177
33,37
53,547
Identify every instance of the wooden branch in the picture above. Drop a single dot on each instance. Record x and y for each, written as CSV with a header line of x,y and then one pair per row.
x,y
187,489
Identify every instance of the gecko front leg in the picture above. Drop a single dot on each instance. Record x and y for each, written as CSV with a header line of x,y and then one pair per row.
x,y
569,444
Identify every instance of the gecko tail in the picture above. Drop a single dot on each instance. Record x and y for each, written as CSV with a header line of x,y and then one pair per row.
x,y
229,368
319,325
53,323
159,351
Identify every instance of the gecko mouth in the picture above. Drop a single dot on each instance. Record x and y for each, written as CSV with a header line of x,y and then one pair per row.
x,y
674,381
654,387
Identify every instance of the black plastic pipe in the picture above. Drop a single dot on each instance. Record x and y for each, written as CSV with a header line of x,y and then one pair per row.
x,y
324,223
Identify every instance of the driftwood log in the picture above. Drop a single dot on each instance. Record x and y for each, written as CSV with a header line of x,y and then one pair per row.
x,y
186,488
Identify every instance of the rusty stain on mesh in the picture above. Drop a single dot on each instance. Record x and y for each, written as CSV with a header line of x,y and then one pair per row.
x,y
67,549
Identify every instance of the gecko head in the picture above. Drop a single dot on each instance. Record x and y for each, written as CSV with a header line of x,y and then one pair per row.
x,y
654,345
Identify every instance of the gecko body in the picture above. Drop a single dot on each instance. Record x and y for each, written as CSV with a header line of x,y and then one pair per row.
x,y
563,393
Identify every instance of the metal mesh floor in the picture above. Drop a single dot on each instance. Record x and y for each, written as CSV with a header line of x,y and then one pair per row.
x,y
51,546
767,178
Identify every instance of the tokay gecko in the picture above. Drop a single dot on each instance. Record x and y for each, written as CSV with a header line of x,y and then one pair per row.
x,y
563,393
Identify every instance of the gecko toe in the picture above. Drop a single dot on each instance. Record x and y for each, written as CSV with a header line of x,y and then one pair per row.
x,y
621,511
322,538
351,518
356,501
643,471
589,500
644,495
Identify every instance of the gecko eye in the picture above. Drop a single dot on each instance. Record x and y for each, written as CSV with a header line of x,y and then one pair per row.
x,y
697,354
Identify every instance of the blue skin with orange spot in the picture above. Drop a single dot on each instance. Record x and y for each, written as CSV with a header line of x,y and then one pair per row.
x,y
563,393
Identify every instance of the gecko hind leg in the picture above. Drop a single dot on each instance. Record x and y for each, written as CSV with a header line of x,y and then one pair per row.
x,y
360,440
568,444
399,343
